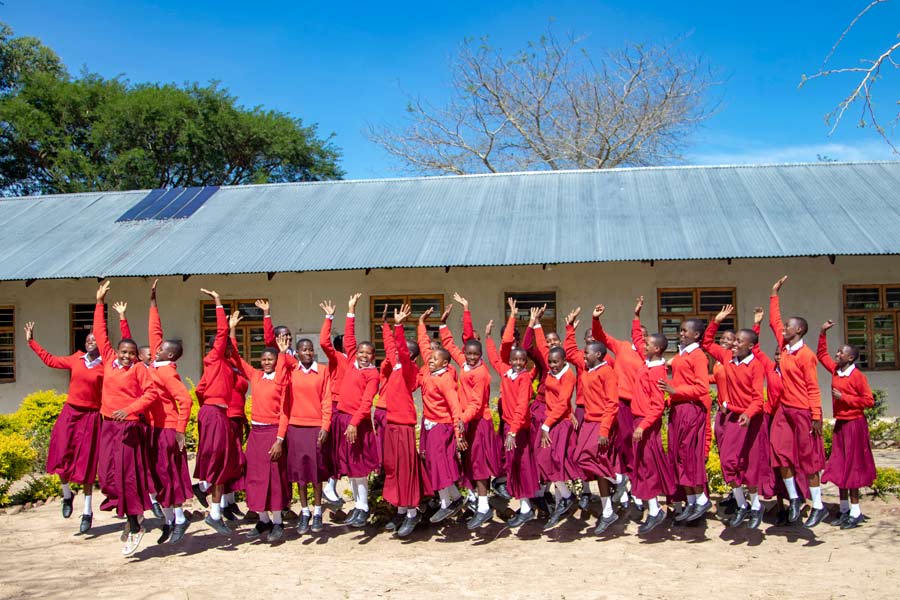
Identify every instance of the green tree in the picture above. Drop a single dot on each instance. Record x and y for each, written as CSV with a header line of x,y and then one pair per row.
x,y
61,134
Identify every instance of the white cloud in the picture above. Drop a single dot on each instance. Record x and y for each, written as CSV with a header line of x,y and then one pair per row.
x,y
875,150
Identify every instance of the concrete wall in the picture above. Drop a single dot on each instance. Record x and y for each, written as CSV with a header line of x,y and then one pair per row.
x,y
813,291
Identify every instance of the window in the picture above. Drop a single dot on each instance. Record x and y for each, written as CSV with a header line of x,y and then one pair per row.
x,y
870,324
7,344
678,304
419,304
249,332
524,303
81,323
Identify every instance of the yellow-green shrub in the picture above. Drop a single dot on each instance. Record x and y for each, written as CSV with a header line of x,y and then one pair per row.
x,y
37,488
714,475
37,411
887,481
16,459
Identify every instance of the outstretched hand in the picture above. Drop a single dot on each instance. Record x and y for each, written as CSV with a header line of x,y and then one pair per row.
x,y
513,307
283,342
598,311
461,300
212,294
488,328
402,314
639,304
446,314
351,304
777,286
29,331
425,315
758,314
573,315
262,305
726,311
827,325
328,307
102,291
120,308
234,319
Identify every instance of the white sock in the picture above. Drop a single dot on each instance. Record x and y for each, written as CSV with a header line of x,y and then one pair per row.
x,y
524,506
845,505
444,495
276,517
412,513
702,499
791,488
618,479
169,514
454,493
179,516
329,490
305,511
215,511
401,510
87,506
264,517
471,497
317,510
607,506
855,511
362,493
816,495
692,498
563,489
153,498
483,505
639,503
223,502
754,501
653,507
67,491
204,486
739,497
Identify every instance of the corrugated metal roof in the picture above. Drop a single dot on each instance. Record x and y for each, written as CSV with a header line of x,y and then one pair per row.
x,y
662,213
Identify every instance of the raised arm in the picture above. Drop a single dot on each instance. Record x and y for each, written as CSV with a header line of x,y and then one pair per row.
x,y
509,332
325,335
99,325
268,328
573,353
55,362
124,328
600,334
350,327
715,350
822,349
222,325
447,337
410,372
468,332
154,323
149,392
493,355
775,312
422,336
183,400
637,335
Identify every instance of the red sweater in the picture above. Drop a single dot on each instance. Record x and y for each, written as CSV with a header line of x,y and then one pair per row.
x,y
337,375
474,383
440,400
402,381
515,390
856,395
174,409
559,392
647,400
690,378
628,360
743,380
309,402
600,386
85,384
357,385
267,394
217,381
130,389
798,369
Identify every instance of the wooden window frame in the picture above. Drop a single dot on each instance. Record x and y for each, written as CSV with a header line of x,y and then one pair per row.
x,y
243,329
73,345
432,323
12,330
549,323
695,312
869,314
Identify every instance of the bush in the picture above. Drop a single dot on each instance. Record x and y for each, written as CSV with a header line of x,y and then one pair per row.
x,y
827,435
887,482
885,430
37,411
16,459
714,475
879,410
38,488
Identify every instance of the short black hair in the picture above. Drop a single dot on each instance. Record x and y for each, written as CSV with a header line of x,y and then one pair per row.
x,y
698,325
413,349
804,326
660,341
366,343
754,337
305,341
179,348
338,343
854,351
724,331
127,341
442,352
597,346
517,350
283,328
473,344
270,350
557,351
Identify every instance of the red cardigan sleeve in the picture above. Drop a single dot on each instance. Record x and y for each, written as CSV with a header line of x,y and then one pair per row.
x,y
155,331
268,331
424,342
775,320
494,358
822,353
573,353
52,361
715,350
600,334
183,400
758,376
697,380
468,329
521,412
861,397
124,329
390,350
611,389
410,372
149,393
566,388
447,342
811,376
509,336
326,400
542,350
350,337
637,337
102,338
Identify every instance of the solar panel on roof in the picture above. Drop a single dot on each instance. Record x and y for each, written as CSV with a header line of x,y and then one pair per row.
x,y
167,204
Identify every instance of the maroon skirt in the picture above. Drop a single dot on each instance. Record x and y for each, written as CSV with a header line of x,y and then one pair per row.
x,y
169,468
218,460
405,483
687,443
579,415
439,451
123,467
357,459
238,426
742,450
654,474
305,459
538,411
482,460
719,425
555,462
596,462
521,474
379,422
850,465
625,424
75,444
793,443
331,444
266,479
773,486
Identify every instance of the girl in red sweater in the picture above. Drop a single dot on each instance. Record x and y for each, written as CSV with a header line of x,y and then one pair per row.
x,y
850,465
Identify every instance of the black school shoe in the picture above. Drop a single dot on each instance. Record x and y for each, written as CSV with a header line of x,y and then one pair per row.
x,y
698,511
218,525
157,511
228,513
235,510
498,484
754,518
584,501
621,490
521,518
652,522
445,513
685,513
86,522
178,531
332,505
67,507
200,495
816,516
852,522
794,510
349,520
303,525
560,511
409,524
260,529
395,523
840,519
479,519
317,526
739,516
728,504
360,519
603,523
166,532
276,534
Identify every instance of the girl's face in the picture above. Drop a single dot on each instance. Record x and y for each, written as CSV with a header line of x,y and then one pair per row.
x,y
728,340
307,353
127,354
592,357
843,357
553,340
90,344
268,361
473,355
365,354
556,363
518,359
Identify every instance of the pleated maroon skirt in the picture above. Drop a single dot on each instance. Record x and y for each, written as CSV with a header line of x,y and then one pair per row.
x,y
742,450
521,469
405,483
238,427
305,459
357,459
266,479
555,462
793,444
75,445
625,423
218,460
483,458
123,467
379,421
596,462
654,474
439,452
851,464
169,468
687,442
773,486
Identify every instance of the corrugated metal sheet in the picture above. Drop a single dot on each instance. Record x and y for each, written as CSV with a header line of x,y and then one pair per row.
x,y
508,219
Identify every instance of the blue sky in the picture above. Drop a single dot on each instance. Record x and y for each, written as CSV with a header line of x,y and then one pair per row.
x,y
343,65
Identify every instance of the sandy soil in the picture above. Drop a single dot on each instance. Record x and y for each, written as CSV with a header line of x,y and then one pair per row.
x,y
40,557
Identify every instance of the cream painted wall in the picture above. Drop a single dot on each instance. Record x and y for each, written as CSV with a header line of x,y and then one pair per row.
x,y
814,291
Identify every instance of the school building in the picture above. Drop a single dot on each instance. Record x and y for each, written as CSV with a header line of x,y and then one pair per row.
x,y
689,239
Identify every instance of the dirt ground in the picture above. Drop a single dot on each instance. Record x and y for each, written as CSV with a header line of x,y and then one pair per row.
x,y
41,556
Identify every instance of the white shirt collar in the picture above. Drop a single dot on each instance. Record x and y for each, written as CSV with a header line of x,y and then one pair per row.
x,y
512,374
846,372
439,372
356,364
161,363
655,363
592,369
689,348
313,368
793,348
117,365
467,368
746,361
269,376
562,372
90,364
